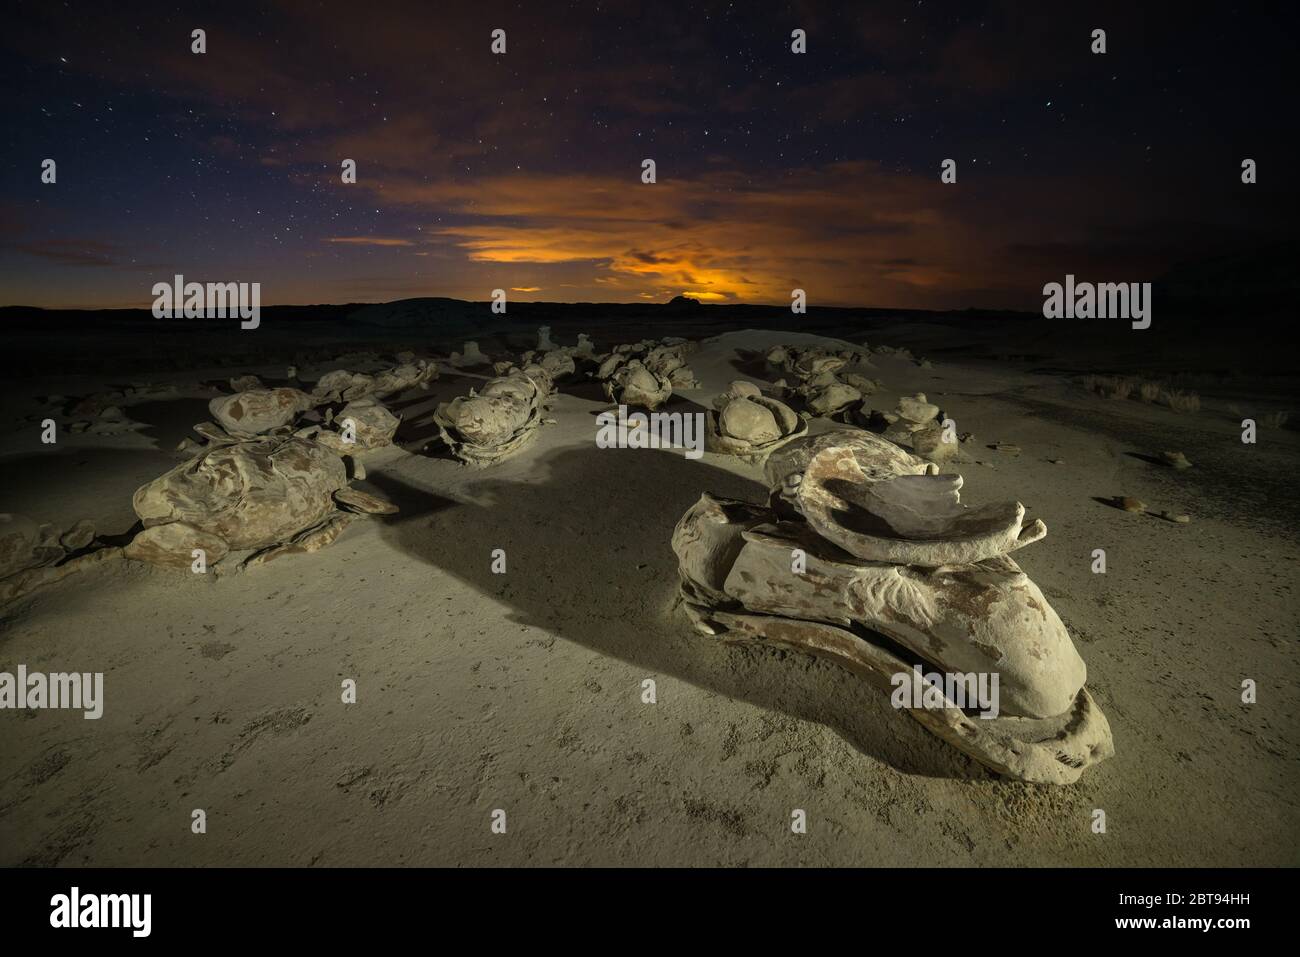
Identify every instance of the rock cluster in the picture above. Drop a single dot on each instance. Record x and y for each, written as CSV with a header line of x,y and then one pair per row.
x,y
645,373
361,423
342,385
917,424
559,362
826,383
272,479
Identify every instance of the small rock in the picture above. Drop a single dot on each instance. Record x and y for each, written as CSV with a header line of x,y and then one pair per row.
x,y
917,409
1057,461
79,536
1132,504
172,545
1004,447
1175,460
212,432
355,500
928,442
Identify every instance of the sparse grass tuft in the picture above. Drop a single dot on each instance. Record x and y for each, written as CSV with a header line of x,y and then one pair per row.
x,y
1111,386
1181,401
1276,420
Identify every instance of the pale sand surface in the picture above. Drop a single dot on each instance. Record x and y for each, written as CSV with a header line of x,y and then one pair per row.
x,y
523,691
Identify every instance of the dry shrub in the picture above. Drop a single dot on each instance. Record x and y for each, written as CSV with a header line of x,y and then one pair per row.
x,y
1181,401
1276,420
1112,387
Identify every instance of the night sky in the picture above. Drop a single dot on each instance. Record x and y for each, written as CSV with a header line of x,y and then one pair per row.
x,y
523,171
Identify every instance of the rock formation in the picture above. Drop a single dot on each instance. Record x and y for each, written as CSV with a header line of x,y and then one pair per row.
x,y
344,386
266,495
866,556
258,411
469,358
826,385
32,555
485,427
749,424
670,361
645,373
631,383
359,426
917,424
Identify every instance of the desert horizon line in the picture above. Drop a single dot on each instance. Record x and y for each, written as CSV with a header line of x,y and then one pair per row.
x,y
145,306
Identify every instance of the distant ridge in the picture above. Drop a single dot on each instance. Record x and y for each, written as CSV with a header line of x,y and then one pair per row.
x,y
413,312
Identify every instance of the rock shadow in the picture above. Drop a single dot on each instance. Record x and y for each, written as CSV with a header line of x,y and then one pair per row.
x,y
170,420
754,364
573,535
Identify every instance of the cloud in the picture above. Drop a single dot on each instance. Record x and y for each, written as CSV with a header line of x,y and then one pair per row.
x,y
70,252
847,232
82,253
369,241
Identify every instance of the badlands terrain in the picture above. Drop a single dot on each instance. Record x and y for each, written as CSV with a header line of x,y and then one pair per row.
x,y
523,691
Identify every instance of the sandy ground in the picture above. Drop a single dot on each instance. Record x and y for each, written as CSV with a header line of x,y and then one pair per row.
x,y
523,691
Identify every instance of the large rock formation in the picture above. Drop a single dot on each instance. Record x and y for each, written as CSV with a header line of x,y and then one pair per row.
x,y
866,556
260,494
487,426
